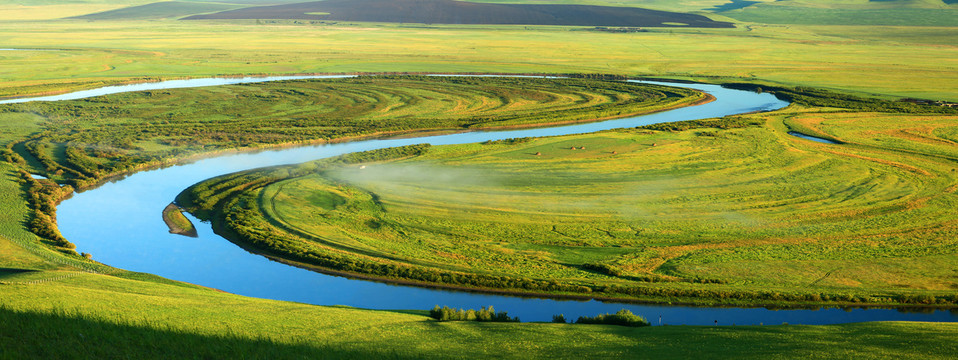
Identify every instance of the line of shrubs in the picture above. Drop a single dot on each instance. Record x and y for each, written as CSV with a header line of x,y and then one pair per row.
x,y
727,122
509,141
489,314
622,317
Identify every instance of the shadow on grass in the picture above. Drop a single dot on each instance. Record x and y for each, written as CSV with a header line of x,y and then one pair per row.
x,y
65,335
9,272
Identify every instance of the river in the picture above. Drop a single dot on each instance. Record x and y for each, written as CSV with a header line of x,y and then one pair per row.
x,y
120,224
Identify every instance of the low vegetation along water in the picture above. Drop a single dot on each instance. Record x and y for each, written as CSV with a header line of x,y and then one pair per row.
x,y
131,234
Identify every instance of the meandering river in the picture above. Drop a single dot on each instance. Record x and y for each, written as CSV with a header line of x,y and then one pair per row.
x,y
120,224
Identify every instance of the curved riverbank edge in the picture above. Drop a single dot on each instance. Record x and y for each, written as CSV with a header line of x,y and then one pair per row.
x,y
707,98
252,233
696,97
686,302
193,157
133,81
240,272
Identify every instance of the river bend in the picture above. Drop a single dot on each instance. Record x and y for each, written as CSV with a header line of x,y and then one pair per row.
x,y
119,223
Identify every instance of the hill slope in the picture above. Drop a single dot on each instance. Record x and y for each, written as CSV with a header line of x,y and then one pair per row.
x,y
159,10
460,12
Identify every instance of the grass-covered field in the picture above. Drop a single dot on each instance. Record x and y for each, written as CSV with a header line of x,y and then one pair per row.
x,y
860,12
80,142
106,317
749,215
893,61
55,306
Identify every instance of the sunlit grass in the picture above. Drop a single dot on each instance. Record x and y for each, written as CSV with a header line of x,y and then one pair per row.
x,y
753,208
110,317
892,61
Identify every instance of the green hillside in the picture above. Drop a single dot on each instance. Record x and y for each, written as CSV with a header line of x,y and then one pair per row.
x,y
108,317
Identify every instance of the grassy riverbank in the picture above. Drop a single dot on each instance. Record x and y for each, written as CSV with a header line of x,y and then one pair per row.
x,y
83,142
80,142
54,306
748,215
110,317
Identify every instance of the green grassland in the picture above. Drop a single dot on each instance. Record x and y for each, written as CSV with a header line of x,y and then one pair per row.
x,y
864,59
863,12
106,317
735,213
57,305
77,144
81,142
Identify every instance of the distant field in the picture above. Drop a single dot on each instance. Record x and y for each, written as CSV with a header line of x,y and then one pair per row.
x,y
892,61
462,12
159,10
856,12
743,210
825,16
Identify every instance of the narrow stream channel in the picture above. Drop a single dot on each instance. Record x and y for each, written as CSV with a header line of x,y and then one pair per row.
x,y
119,223
813,138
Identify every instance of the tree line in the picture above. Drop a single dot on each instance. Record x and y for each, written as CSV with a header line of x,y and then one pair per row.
x,y
484,314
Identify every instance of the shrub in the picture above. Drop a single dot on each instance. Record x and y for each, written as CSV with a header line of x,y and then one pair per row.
x,y
512,141
446,313
622,317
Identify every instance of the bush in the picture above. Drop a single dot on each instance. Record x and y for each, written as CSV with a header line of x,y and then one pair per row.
x,y
512,141
446,313
623,318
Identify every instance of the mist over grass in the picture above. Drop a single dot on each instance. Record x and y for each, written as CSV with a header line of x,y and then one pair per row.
x,y
747,210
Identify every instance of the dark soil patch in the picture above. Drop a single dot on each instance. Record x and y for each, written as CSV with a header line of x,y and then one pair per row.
x,y
460,12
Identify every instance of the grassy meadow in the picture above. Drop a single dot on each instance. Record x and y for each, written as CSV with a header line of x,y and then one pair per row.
x,y
862,59
736,213
110,317
81,142
736,209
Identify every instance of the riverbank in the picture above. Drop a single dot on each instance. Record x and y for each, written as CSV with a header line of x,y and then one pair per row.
x,y
180,321
85,167
249,202
478,136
